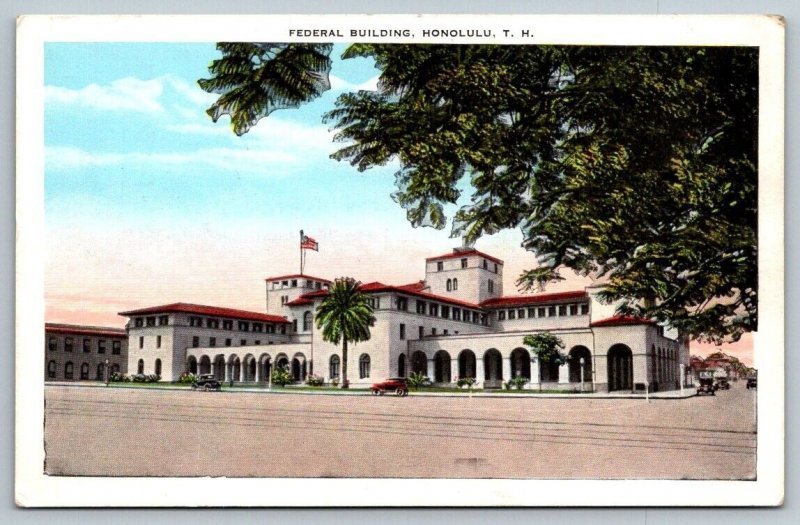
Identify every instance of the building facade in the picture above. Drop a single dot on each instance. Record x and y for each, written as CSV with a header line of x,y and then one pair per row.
x,y
455,323
83,353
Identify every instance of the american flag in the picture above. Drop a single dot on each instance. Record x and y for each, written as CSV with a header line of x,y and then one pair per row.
x,y
307,243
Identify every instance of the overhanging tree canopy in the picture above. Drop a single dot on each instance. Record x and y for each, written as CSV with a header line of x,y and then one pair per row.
x,y
636,164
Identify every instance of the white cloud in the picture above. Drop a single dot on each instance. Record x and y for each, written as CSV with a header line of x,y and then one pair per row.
x,y
340,84
228,159
128,93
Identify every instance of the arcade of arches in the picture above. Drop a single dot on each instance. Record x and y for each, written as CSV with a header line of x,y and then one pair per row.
x,y
247,368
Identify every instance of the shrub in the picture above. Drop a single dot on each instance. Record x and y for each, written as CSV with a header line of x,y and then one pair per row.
x,y
465,382
281,377
519,382
335,381
142,378
416,379
187,378
119,377
314,380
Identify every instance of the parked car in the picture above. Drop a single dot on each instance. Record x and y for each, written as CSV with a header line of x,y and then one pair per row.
x,y
393,384
206,382
752,382
706,386
722,383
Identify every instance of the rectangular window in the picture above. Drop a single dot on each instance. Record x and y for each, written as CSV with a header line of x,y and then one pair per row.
x,y
195,341
212,323
562,310
244,326
501,315
439,266
402,304
551,311
270,328
138,322
52,344
116,347
101,346
531,313
284,283
87,346
257,342
445,312
476,317
163,320
243,342
584,309
541,312
158,341
433,331
433,310
485,264
490,284
294,283
495,267
258,327
141,341
573,309
151,321
457,314
309,284
521,313
512,314
446,332
228,342
402,331
68,344
195,321
463,263
421,307
421,332
212,341
227,325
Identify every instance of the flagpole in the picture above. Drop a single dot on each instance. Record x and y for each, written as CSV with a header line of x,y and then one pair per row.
x,y
301,252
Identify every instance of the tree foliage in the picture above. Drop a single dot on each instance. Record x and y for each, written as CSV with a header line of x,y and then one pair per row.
x,y
547,347
636,165
344,316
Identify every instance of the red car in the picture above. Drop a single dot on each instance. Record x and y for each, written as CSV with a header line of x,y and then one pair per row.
x,y
393,384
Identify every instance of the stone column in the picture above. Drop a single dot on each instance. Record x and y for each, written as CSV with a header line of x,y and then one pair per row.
x,y
228,366
506,368
453,370
211,370
479,372
431,370
563,374
534,372
241,371
258,371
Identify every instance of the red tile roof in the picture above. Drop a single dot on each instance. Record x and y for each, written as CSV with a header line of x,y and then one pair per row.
x,y
456,254
520,300
300,301
296,276
207,310
621,320
414,289
71,329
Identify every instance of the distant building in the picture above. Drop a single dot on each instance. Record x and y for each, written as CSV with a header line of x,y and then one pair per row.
x,y
454,323
82,353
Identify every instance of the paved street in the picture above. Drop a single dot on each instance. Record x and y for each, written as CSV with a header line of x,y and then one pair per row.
x,y
151,432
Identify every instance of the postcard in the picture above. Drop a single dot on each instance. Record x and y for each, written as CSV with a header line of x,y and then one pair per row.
x,y
291,261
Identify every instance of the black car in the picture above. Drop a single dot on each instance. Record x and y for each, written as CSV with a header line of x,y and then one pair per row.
x,y
752,382
206,382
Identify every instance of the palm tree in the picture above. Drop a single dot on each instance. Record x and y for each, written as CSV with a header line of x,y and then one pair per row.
x,y
345,316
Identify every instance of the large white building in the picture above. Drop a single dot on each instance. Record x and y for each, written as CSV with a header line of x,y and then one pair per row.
x,y
454,323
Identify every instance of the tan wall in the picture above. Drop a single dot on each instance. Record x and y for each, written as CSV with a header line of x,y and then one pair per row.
x,y
78,357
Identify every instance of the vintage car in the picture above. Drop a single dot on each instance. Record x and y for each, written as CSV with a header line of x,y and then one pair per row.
x,y
397,385
721,383
706,386
206,382
752,382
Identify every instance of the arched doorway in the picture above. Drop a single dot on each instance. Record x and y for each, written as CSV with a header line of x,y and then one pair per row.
x,y
282,362
140,366
265,364
192,365
401,365
219,367
299,367
235,364
620,368
441,367
548,371
520,363
249,368
492,369
575,355
419,363
334,367
466,364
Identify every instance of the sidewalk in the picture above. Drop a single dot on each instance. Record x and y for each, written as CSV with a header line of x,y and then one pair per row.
x,y
500,394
